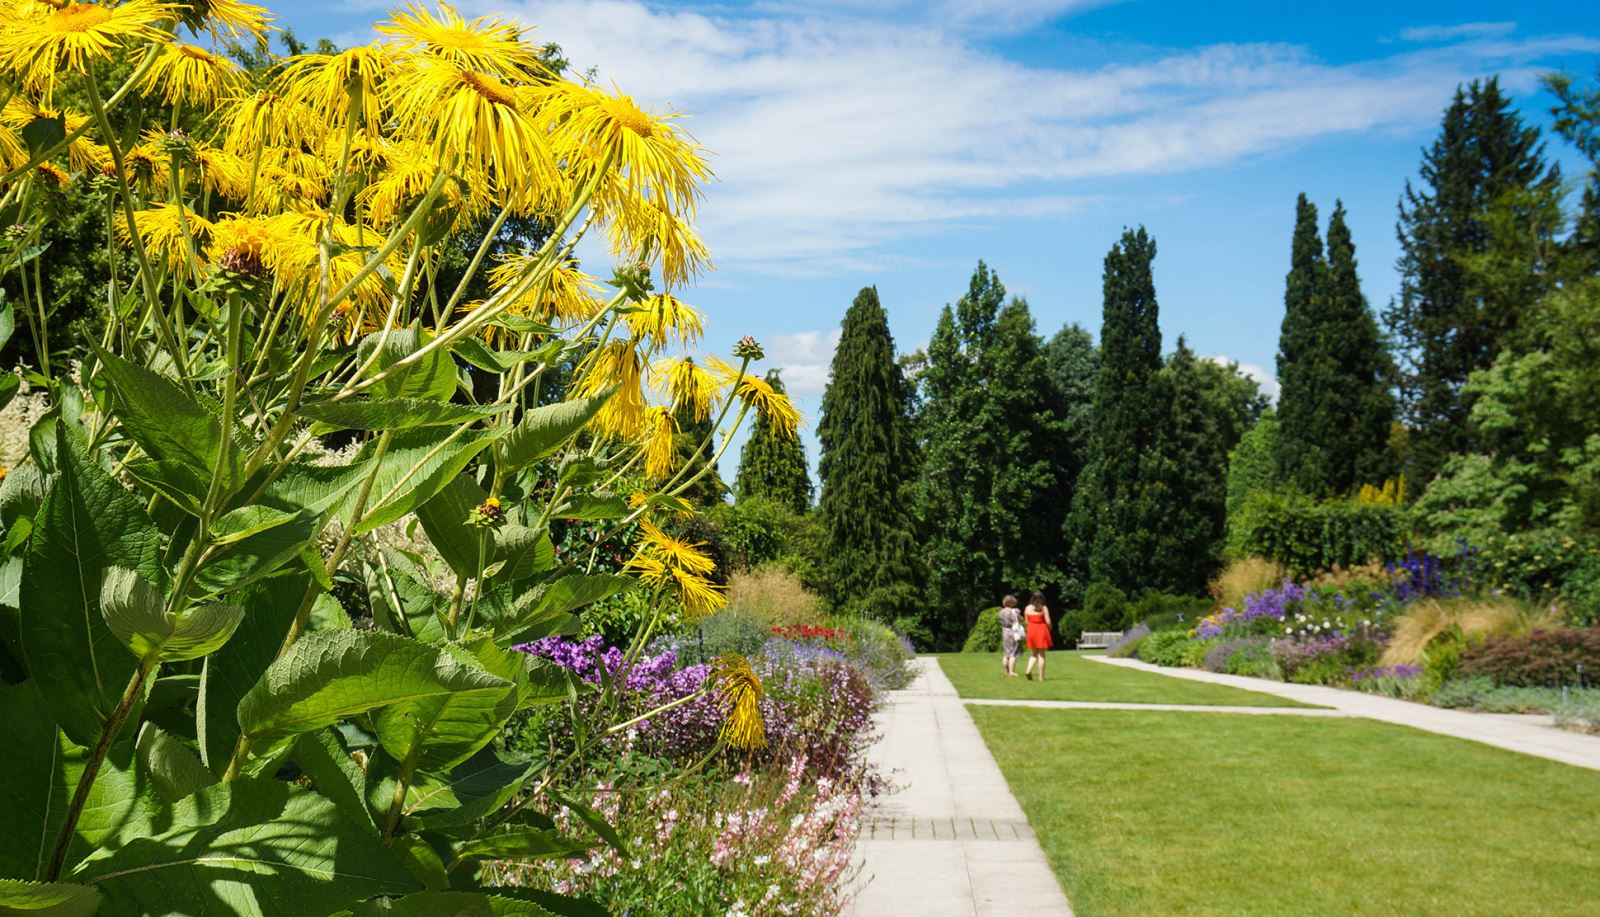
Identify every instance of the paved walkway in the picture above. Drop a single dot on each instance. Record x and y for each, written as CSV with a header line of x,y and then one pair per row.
x,y
951,841
1529,735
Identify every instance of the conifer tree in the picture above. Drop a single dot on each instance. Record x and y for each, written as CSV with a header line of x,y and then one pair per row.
x,y
1441,323
868,458
772,466
1187,475
1115,520
1334,409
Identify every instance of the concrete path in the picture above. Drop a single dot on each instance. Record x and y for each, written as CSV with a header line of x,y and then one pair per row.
x,y
951,841
1529,736
1180,708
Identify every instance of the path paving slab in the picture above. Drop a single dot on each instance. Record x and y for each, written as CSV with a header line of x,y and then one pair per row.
x,y
951,840
1530,736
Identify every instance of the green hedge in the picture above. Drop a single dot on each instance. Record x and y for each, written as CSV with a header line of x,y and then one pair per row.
x,y
985,636
1308,535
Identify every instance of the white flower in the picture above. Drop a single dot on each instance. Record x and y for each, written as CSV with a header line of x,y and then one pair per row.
x,y
1288,630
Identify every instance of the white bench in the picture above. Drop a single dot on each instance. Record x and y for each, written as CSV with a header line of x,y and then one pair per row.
x,y
1098,639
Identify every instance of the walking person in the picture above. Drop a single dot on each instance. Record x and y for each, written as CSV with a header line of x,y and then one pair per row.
x,y
1037,614
1012,635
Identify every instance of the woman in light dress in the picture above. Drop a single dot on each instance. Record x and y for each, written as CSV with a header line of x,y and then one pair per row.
x,y
1011,635
1037,615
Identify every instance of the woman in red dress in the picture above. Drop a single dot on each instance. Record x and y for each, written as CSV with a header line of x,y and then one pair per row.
x,y
1037,614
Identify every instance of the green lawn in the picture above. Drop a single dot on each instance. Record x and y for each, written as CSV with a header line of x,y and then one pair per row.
x,y
1213,813
1073,677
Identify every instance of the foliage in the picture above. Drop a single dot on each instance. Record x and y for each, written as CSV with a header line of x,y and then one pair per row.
x,y
884,655
1540,657
1242,577
985,636
735,629
1334,409
1164,647
776,595
1127,645
1482,694
1582,715
868,461
1252,468
1435,631
1450,321
1105,607
1307,535
773,466
1190,471
171,641
757,532
1194,652
1324,659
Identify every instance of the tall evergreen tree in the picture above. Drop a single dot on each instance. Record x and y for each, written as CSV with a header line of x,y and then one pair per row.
x,y
1115,519
708,488
1187,473
868,458
772,466
1441,321
1335,409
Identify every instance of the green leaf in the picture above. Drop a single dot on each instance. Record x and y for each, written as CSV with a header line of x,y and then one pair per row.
x,y
41,769
398,592
327,614
595,821
43,132
478,354
21,494
564,595
334,774
232,671
423,862
439,731
175,771
169,424
445,519
47,899
8,321
452,904
522,552
396,413
475,790
10,383
559,905
521,844
137,614
415,468
432,378
87,524
326,677
543,430
592,507
245,521
248,847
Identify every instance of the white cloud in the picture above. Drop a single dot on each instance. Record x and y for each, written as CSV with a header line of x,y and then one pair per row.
x,y
1429,33
836,134
1263,378
805,358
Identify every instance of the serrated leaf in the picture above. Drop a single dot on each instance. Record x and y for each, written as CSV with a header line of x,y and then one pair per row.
x,y
322,757
414,469
445,519
520,844
43,132
592,507
475,789
452,904
522,552
439,731
47,899
137,614
326,677
248,847
21,494
432,378
396,413
175,771
169,424
87,524
245,521
544,430
570,592
476,353
232,671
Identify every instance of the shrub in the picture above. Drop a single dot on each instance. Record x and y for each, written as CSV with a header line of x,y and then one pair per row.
x,y
1165,608
1550,656
985,636
1408,682
1242,577
883,654
775,594
1482,694
1222,650
732,630
1128,644
1323,660
1164,647
1105,607
1307,535
1581,715
1255,660
1194,653
1429,626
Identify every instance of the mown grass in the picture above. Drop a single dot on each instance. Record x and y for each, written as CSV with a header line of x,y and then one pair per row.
x,y
1213,813
1073,677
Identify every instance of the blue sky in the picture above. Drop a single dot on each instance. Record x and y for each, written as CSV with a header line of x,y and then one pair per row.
x,y
897,143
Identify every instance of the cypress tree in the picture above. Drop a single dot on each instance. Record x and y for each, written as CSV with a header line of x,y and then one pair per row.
x,y
867,460
1188,474
1440,320
1334,409
708,490
774,467
1302,369
1072,363
1115,518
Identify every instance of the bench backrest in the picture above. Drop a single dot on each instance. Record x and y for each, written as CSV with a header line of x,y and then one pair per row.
x,y
1098,639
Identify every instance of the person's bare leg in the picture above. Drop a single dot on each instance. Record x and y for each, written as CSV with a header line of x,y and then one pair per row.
x,y
1029,673
1041,665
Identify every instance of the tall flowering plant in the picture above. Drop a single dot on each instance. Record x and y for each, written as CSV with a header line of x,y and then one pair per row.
x,y
171,641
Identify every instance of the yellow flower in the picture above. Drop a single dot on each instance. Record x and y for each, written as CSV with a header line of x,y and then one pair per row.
x,y
481,121
268,119
225,18
739,689
690,387
41,46
664,318
190,75
486,44
54,174
641,228
782,418
222,172
244,244
83,154
566,295
616,364
677,554
659,450
332,85
162,229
